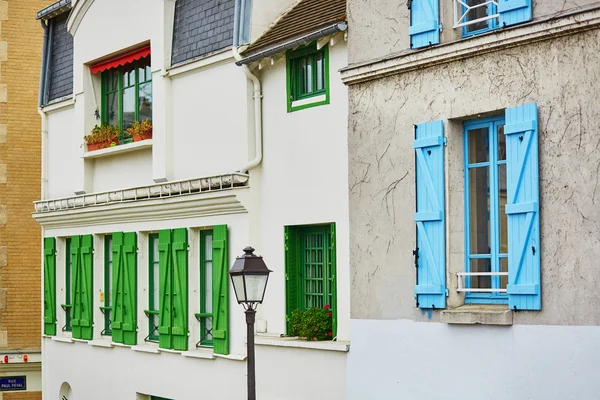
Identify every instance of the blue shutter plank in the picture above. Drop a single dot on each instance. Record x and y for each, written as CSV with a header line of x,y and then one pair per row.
x,y
430,216
514,11
424,23
522,208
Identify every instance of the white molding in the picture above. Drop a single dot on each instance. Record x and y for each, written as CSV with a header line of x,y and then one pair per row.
x,y
234,357
303,344
101,343
59,104
146,349
204,354
120,149
62,339
79,10
500,39
221,57
161,209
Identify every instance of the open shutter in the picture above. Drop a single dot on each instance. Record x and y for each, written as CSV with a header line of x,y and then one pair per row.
x,y
130,288
431,235
76,290
179,329
220,322
514,11
522,208
424,23
333,258
86,287
293,276
117,289
49,286
164,292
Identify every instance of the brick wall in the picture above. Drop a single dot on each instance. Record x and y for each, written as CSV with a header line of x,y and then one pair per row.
x,y
22,396
20,159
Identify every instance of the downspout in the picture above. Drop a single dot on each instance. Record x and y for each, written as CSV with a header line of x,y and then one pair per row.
x,y
41,99
257,91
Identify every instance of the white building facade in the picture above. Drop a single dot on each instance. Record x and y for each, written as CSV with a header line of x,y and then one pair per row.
x,y
139,234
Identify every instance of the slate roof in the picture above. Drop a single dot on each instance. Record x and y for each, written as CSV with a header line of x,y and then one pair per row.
x,y
306,17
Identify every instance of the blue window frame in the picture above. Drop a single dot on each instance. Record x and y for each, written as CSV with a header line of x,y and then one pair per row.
x,y
477,13
486,233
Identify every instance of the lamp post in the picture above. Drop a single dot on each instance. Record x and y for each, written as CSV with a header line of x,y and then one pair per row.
x,y
249,276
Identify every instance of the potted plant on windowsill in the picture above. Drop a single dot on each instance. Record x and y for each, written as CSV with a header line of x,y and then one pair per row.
x,y
140,130
313,323
102,136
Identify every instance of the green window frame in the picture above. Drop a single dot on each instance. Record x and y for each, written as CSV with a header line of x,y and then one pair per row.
x,y
108,266
124,87
311,268
205,316
68,286
307,76
153,284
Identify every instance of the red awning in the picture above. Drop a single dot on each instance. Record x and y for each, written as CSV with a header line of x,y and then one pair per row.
x,y
121,60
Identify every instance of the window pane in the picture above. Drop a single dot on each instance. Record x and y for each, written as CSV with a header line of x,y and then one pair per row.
x,y
481,265
320,75
155,274
112,111
128,107
208,274
478,145
309,74
476,13
145,101
479,216
503,268
501,143
314,269
109,256
148,72
502,223
302,72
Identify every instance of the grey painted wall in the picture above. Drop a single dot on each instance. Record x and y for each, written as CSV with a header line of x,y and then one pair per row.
x,y
201,27
382,173
61,60
379,28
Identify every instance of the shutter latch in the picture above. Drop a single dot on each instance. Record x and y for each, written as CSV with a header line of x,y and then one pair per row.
x,y
416,255
409,4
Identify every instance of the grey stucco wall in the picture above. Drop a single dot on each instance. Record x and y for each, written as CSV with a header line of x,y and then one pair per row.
x,y
379,28
563,78
61,60
201,27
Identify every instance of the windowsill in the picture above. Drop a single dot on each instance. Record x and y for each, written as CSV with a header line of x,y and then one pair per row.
x,y
101,343
297,343
169,351
146,349
315,101
234,357
120,149
62,339
206,354
80,340
115,344
482,314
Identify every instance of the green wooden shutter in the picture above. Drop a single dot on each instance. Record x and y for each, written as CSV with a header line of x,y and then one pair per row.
x,y
49,286
179,329
220,322
333,258
293,277
76,289
165,304
130,288
117,287
86,288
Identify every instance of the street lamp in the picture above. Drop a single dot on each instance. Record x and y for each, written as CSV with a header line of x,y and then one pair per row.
x,y
249,276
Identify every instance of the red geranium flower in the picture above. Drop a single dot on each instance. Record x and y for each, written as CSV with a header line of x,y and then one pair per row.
x,y
326,306
329,314
329,334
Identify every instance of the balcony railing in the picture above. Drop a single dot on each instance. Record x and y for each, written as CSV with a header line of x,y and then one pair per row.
x,y
462,10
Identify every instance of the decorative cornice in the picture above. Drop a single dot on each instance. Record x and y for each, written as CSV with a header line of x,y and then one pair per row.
x,y
80,8
410,60
161,209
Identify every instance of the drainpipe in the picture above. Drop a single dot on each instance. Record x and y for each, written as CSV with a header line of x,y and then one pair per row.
x,y
41,98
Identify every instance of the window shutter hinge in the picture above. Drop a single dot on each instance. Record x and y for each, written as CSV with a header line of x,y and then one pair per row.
x,y
441,26
445,141
447,293
409,4
416,256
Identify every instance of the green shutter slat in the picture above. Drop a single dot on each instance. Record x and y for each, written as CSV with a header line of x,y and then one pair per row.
x,y
76,271
164,292
220,284
180,289
333,280
130,289
86,251
292,271
50,286
117,287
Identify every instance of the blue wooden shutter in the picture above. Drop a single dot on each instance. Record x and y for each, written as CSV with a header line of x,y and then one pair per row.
x,y
514,11
522,208
424,23
431,235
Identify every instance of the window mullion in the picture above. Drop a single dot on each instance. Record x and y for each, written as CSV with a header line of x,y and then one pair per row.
x,y
137,93
120,101
493,140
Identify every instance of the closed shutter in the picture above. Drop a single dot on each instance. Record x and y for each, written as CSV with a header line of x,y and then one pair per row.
x,y
76,299
220,284
49,286
424,23
293,276
124,314
431,236
332,280
179,328
87,295
522,208
165,305
514,11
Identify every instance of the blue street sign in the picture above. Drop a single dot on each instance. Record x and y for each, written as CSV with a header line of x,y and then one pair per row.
x,y
12,383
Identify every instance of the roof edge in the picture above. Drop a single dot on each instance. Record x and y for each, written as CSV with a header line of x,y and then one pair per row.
x,y
329,29
54,9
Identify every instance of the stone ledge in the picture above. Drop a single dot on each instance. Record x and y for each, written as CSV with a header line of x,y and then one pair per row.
x,y
478,314
297,343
